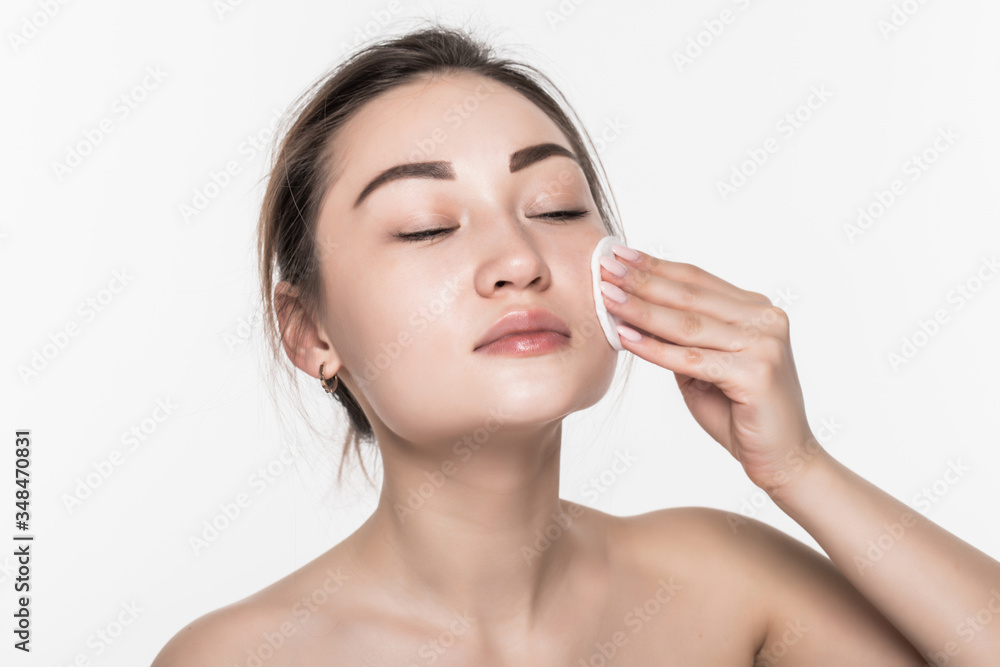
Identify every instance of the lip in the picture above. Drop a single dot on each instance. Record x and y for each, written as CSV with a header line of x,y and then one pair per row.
x,y
523,321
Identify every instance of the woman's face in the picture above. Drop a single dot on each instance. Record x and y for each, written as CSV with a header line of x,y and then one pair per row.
x,y
405,316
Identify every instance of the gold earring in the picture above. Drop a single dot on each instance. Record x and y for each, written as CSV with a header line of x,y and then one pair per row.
x,y
324,380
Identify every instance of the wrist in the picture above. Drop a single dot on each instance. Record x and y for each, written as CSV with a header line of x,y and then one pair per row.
x,y
806,477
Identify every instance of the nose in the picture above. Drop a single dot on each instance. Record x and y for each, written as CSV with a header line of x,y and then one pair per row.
x,y
510,258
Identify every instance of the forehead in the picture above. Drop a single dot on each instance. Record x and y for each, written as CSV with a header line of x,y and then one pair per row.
x,y
444,116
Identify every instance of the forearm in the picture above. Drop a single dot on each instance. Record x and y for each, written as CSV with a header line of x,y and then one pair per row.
x,y
939,591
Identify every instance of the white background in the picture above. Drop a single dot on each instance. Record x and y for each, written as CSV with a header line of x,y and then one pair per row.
x,y
178,330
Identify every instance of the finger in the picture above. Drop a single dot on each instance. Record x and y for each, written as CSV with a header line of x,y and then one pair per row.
x,y
689,273
681,327
706,368
683,296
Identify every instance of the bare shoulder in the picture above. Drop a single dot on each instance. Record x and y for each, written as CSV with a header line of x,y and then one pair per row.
x,y
809,611
279,625
222,636
699,547
696,541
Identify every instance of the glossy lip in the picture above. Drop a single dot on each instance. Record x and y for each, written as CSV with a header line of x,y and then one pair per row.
x,y
531,320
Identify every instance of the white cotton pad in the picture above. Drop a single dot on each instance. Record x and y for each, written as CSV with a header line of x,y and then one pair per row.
x,y
607,320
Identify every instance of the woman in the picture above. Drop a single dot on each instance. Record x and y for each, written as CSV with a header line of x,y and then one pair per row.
x,y
428,197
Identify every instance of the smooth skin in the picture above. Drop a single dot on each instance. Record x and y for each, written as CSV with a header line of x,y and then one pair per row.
x,y
459,575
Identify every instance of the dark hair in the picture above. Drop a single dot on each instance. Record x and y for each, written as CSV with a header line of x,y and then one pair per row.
x,y
302,167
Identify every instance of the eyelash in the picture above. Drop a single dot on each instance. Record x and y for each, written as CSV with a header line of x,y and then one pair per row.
x,y
430,233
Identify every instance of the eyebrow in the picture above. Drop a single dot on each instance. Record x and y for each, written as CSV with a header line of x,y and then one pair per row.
x,y
519,159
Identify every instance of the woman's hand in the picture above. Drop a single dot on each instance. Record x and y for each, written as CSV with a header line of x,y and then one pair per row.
x,y
730,353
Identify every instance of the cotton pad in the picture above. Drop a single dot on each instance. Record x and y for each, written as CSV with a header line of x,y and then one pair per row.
x,y
607,320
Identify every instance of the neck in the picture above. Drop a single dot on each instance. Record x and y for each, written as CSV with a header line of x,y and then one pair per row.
x,y
482,531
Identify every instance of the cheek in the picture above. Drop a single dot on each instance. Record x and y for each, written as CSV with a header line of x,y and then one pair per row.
x,y
598,359
400,332
586,327
410,364
581,277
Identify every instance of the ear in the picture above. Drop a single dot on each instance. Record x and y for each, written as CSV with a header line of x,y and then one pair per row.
x,y
304,340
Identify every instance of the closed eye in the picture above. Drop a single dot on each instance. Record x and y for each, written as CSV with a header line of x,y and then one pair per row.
x,y
417,236
430,233
564,215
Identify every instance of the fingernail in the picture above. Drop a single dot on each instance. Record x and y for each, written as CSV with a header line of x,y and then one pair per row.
x,y
613,292
614,266
629,334
625,252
